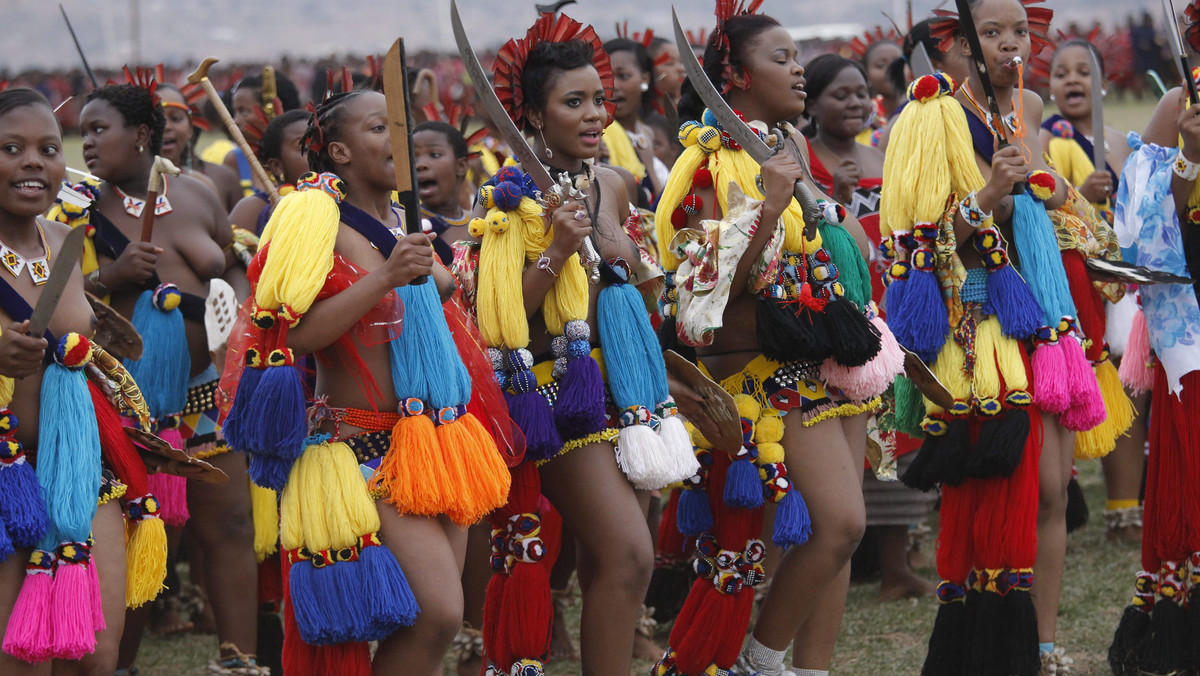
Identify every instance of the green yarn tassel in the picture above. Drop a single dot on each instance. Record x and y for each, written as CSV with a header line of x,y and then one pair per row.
x,y
910,407
852,269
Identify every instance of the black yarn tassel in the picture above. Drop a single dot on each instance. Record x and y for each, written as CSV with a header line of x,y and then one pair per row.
x,y
1001,445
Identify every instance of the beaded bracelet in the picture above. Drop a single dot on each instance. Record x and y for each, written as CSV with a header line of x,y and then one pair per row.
x,y
972,213
1185,168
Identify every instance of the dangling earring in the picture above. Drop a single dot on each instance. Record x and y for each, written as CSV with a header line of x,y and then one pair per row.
x,y
549,153
645,86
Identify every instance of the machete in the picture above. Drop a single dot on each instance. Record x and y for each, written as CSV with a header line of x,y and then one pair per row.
x,y
395,87
68,259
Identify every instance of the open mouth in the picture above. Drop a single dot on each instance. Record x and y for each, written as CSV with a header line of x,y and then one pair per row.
x,y
31,186
1074,97
427,187
591,137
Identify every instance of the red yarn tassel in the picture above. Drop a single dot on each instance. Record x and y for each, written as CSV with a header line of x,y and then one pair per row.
x,y
1089,306
671,543
118,450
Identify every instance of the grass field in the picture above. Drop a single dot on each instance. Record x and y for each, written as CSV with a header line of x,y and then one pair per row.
x,y
876,638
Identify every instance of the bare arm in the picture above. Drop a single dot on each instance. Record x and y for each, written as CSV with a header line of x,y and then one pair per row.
x,y
328,319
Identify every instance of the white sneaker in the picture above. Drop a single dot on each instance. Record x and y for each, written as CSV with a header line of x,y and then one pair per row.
x,y
743,667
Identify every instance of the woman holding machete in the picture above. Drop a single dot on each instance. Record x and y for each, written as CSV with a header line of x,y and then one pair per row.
x,y
57,432
803,435
161,286
542,320
1011,429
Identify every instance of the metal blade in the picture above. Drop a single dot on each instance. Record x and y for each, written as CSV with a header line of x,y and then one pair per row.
x,y
399,112
967,23
1098,144
731,123
921,64
486,97
68,259
1180,54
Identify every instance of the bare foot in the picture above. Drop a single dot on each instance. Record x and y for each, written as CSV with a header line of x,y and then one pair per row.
x,y
165,619
1124,534
917,559
644,648
562,645
908,586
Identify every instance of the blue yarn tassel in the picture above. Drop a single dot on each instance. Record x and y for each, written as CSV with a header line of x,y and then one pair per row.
x,y
921,324
793,526
314,601
893,299
693,515
425,361
68,453
636,370
22,503
389,601
6,544
162,372
269,471
1041,261
240,421
1012,302
743,487
280,408
579,409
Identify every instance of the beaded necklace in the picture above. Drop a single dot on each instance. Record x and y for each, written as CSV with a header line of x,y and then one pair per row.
x,y
39,268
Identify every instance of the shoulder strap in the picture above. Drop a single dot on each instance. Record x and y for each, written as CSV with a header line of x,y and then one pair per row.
x,y
364,224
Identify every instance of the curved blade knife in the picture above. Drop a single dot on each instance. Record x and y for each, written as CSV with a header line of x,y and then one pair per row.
x,y
732,124
1098,142
486,96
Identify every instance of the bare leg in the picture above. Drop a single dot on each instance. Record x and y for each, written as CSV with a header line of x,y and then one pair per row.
x,y
897,579
430,561
616,556
477,572
817,635
828,474
1123,470
108,528
562,645
1054,473
166,621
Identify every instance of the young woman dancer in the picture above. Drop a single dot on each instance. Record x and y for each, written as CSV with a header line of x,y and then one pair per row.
x,y
191,243
533,298
774,263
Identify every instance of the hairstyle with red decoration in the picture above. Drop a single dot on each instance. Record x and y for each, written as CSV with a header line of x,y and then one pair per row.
x,y
456,115
643,37
1191,14
727,9
861,45
145,78
1108,50
947,27
509,68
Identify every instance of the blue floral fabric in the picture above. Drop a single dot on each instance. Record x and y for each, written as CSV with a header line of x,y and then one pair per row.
x,y
1148,230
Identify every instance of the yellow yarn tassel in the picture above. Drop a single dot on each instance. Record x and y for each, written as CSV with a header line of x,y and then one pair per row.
x,y
477,473
621,152
326,504
145,561
679,184
949,370
264,509
413,474
736,166
568,298
1010,363
7,387
1102,439
1069,159
301,233
987,373
499,301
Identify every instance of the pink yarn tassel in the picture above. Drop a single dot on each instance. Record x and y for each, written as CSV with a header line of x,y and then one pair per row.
x,y
171,492
863,383
30,636
71,614
1087,403
1136,370
1051,389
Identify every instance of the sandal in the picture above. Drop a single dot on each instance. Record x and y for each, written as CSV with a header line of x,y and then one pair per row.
x,y
467,649
1124,524
1056,663
237,664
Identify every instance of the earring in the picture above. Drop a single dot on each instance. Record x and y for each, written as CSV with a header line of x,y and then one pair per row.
x,y
549,153
1052,97
1103,92
141,149
645,86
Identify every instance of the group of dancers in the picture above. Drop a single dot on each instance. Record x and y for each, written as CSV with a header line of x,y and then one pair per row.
x,y
661,360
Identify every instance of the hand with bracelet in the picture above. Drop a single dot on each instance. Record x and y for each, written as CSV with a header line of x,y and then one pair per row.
x,y
570,224
1187,165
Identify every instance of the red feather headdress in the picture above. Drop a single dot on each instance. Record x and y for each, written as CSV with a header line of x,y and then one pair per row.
x,y
1191,14
457,115
859,46
510,61
698,37
145,78
727,9
946,28
643,38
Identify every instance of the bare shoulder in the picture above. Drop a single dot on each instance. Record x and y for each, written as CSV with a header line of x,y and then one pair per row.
x,y
1162,128
1033,108
612,181
55,232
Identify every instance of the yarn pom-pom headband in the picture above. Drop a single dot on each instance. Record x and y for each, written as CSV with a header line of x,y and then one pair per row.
x,y
510,61
946,27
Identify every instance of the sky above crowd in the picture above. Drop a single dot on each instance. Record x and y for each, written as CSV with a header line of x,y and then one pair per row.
x,y
183,31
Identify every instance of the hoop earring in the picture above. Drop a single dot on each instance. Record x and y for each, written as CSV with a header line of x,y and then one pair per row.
x,y
549,153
